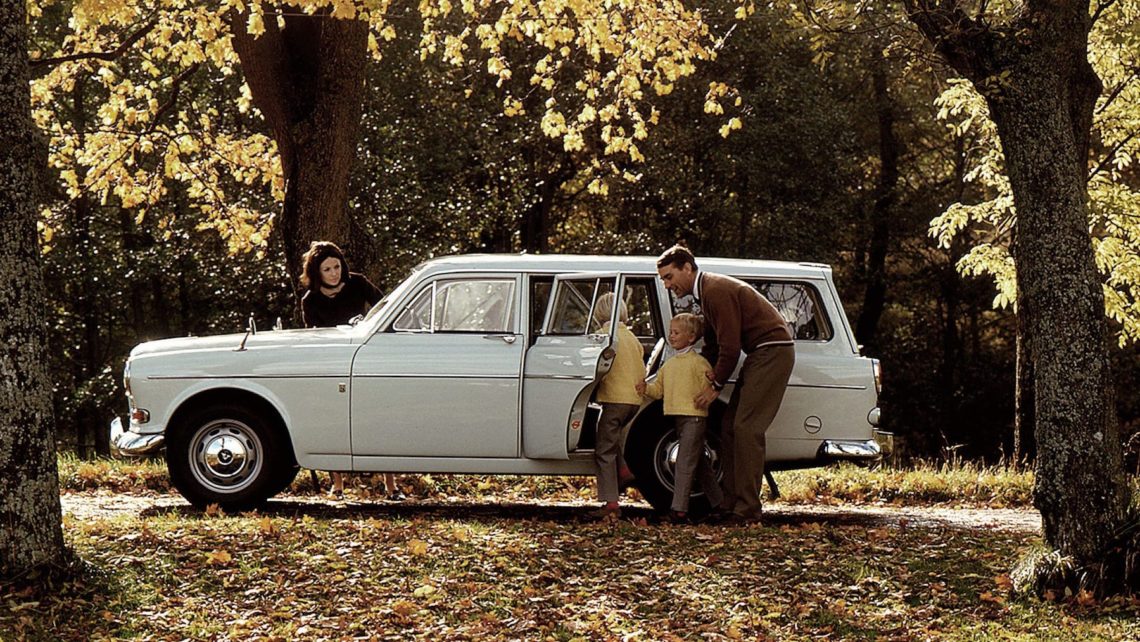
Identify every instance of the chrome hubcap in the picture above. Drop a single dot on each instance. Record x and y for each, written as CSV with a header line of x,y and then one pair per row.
x,y
225,455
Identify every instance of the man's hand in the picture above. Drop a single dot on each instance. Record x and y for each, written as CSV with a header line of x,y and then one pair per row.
x,y
705,398
640,387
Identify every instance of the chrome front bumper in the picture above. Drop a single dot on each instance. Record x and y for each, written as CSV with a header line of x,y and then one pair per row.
x,y
131,444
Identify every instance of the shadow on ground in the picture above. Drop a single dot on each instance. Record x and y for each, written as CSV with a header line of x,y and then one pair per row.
x,y
781,515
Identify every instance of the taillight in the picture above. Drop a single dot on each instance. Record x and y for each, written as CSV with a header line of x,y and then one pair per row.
x,y
877,369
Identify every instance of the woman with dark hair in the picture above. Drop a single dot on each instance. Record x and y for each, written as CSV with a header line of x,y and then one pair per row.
x,y
333,296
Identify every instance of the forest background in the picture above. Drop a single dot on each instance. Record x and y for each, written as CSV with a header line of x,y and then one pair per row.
x,y
853,151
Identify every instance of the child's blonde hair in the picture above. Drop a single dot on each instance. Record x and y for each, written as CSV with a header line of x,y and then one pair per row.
x,y
691,322
604,309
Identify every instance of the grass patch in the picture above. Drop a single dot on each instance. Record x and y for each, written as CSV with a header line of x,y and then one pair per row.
x,y
382,572
963,484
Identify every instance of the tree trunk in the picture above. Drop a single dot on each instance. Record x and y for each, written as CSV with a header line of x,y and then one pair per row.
x,y
31,534
1041,92
875,294
1043,121
308,81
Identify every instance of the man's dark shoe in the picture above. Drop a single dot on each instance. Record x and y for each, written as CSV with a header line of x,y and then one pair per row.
x,y
733,519
716,516
678,517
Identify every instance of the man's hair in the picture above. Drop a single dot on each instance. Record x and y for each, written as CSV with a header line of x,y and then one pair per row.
x,y
677,256
692,323
604,309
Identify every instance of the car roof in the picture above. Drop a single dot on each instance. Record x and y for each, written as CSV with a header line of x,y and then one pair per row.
x,y
565,263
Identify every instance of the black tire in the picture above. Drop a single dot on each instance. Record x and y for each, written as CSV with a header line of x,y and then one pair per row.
x,y
230,455
650,451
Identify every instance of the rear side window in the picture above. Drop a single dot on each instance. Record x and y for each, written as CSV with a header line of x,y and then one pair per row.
x,y
800,305
574,303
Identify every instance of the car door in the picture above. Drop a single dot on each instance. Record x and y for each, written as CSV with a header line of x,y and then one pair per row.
x,y
563,365
443,379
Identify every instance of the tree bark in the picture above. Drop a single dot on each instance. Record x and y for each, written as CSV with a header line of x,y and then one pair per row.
x,y
307,79
1041,92
886,192
31,534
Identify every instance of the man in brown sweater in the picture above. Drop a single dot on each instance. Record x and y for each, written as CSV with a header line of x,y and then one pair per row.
x,y
738,319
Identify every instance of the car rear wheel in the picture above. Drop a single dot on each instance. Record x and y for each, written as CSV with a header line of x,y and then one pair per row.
x,y
228,455
651,451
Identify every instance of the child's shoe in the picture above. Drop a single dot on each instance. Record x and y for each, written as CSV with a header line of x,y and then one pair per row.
x,y
609,512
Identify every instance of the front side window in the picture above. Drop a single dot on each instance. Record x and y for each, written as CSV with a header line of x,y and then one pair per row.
x,y
467,305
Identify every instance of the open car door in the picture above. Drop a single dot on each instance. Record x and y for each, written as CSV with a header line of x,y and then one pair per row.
x,y
574,350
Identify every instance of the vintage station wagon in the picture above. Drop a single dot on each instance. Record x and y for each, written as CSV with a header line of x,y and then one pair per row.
x,y
475,364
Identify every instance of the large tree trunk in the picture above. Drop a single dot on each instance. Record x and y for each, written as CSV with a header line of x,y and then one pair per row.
x,y
886,193
31,534
308,81
1041,92
1044,122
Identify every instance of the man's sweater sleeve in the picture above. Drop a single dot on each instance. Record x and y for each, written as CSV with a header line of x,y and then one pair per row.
x,y
727,332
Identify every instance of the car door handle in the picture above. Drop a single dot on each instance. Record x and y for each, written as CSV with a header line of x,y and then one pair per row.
x,y
506,338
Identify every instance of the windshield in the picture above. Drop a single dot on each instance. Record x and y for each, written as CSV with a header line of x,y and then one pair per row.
x,y
394,294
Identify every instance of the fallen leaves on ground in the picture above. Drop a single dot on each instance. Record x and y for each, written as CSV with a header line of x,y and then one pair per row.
x,y
486,572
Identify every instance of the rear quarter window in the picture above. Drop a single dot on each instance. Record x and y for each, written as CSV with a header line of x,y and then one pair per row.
x,y
801,306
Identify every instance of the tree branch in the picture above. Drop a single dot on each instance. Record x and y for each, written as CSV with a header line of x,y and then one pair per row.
x,y
175,89
1116,92
1111,155
962,41
1101,8
99,55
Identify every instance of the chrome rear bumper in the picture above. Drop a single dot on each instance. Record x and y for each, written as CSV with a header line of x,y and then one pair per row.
x,y
859,452
131,444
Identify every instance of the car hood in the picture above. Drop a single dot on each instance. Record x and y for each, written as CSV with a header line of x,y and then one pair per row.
x,y
308,337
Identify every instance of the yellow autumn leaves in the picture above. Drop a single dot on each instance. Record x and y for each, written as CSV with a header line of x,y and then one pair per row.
x,y
600,67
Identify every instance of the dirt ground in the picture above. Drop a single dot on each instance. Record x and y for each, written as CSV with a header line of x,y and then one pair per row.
x,y
103,505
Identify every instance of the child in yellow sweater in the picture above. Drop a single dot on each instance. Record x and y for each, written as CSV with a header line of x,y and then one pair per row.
x,y
618,395
678,381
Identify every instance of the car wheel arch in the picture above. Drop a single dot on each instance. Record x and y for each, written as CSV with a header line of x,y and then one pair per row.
x,y
223,396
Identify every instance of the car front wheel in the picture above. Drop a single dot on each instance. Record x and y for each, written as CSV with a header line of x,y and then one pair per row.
x,y
227,455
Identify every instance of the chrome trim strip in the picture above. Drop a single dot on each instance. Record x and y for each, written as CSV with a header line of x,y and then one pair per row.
x,y
366,375
242,376
826,386
340,376
562,377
